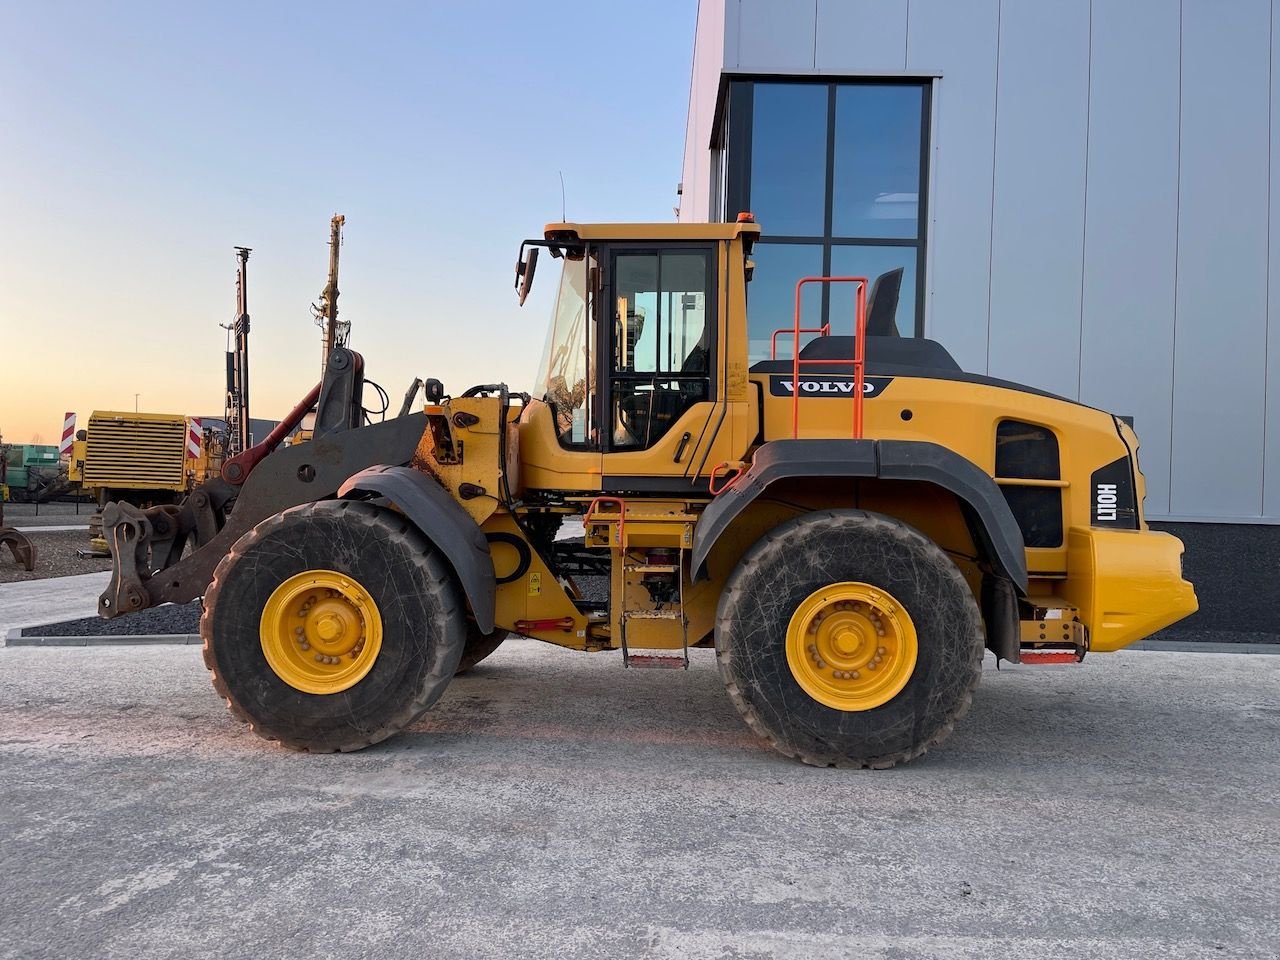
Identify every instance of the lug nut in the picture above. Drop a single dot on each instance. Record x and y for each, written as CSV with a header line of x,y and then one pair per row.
x,y
880,652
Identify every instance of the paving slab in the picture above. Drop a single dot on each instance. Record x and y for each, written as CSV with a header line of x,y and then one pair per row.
x,y
554,805
32,602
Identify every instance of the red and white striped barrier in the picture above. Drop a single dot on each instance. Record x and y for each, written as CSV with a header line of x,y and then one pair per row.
x,y
68,434
195,435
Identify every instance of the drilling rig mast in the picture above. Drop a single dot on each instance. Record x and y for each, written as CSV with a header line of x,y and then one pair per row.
x,y
237,407
326,311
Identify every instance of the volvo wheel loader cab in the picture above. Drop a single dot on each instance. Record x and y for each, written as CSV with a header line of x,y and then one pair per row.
x,y
849,519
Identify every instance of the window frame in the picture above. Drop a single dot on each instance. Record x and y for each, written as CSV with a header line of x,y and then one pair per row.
x,y
606,302
738,130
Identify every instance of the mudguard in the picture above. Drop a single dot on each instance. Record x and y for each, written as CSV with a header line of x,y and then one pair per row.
x,y
993,524
290,476
442,521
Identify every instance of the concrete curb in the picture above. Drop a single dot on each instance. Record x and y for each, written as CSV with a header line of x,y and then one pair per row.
x,y
1195,646
14,638
53,528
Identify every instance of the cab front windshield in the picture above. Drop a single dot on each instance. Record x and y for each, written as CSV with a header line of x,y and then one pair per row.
x,y
566,374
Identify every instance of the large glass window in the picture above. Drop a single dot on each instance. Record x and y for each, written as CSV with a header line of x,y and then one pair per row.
x,y
835,173
773,295
875,190
566,373
789,158
663,328
861,260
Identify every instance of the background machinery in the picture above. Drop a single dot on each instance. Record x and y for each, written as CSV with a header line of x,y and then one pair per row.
x,y
849,521
34,472
146,459
19,544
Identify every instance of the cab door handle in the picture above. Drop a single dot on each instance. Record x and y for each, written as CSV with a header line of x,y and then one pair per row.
x,y
684,442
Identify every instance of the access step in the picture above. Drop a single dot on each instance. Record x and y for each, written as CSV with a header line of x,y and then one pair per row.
x,y
1036,658
646,661
653,615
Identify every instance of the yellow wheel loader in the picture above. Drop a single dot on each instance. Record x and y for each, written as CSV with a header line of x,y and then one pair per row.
x,y
847,517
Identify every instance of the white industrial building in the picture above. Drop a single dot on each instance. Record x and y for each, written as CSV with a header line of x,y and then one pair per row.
x,y
1080,194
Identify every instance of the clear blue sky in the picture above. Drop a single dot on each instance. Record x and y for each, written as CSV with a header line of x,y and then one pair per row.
x,y
140,142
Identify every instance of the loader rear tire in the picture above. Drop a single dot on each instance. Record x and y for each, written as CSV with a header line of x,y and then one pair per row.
x,y
479,646
397,579
893,596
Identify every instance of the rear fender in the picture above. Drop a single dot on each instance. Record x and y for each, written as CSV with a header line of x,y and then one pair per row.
x,y
994,527
444,522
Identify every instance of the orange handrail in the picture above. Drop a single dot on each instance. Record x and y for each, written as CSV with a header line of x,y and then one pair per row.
x,y
824,330
619,502
729,466
859,352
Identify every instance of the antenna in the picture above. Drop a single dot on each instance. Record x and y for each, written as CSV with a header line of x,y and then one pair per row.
x,y
564,217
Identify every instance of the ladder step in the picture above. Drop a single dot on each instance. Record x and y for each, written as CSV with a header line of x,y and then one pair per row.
x,y
1041,657
654,615
651,568
643,660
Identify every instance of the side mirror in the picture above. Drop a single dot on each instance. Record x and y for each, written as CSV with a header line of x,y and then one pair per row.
x,y
524,275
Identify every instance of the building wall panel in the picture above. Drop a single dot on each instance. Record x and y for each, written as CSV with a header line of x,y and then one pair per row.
x,y
1220,328
961,42
870,33
704,84
1271,425
1100,214
1131,226
1038,209
775,35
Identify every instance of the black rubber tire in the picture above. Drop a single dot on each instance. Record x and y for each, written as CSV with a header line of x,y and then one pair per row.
x,y
478,646
810,552
422,618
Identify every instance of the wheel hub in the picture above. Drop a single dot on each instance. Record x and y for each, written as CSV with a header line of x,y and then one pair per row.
x,y
851,646
321,631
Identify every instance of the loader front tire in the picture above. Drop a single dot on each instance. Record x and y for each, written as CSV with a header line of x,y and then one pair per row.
x,y
848,638
479,646
332,626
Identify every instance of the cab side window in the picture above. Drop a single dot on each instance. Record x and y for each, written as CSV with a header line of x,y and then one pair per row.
x,y
662,342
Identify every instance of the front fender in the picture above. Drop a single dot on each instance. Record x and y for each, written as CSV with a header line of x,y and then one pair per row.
x,y
442,521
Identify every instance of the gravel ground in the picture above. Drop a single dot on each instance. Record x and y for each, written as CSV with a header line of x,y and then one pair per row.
x,y
172,618
55,556
554,805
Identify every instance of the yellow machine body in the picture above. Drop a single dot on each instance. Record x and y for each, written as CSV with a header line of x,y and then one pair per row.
x,y
1102,588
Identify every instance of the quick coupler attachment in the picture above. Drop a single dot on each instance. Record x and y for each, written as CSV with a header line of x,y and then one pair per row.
x,y
128,533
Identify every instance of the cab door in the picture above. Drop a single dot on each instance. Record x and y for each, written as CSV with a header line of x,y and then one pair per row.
x,y
663,413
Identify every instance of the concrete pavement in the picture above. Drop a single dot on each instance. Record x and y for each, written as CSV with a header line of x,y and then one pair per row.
x,y
48,601
553,805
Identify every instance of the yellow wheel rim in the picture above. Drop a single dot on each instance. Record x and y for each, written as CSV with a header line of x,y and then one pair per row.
x,y
851,646
321,631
